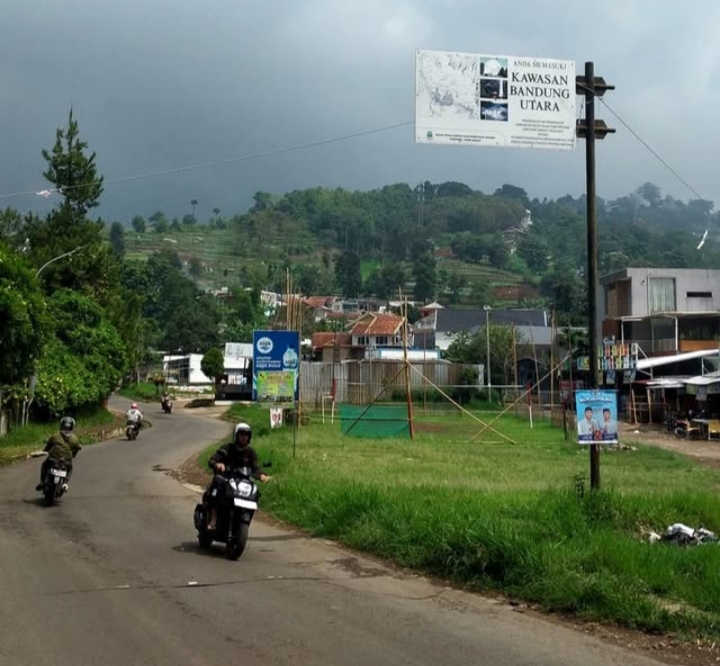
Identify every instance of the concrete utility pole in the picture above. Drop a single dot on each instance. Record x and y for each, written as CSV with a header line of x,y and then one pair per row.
x,y
592,86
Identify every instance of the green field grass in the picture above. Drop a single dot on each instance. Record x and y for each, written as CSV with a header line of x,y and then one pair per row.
x,y
507,517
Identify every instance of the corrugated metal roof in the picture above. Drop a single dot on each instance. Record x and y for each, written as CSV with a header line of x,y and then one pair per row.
x,y
657,361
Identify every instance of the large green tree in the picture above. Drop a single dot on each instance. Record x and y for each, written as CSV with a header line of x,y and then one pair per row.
x,y
25,323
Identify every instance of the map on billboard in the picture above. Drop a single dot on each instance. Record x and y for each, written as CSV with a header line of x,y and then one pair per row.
x,y
494,100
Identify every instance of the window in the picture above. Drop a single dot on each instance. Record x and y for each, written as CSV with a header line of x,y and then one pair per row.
x,y
698,294
661,295
381,340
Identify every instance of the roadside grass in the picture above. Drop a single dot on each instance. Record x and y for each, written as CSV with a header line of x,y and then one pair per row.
x,y
144,392
506,517
89,426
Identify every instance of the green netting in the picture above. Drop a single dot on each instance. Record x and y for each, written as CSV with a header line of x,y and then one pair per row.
x,y
377,421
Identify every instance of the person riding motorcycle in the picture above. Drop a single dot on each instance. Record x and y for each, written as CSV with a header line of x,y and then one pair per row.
x,y
134,416
165,399
237,453
63,445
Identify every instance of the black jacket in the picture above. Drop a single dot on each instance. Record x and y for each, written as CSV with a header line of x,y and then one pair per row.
x,y
233,456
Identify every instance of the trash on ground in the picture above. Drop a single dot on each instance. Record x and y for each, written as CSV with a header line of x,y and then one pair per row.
x,y
682,535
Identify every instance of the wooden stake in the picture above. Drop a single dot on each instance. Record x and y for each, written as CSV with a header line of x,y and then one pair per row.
x,y
407,370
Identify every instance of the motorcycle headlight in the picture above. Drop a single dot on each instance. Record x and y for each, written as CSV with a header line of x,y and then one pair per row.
x,y
245,489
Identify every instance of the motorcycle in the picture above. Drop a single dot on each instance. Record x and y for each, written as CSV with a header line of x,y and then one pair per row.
x,y
167,405
132,428
235,511
56,482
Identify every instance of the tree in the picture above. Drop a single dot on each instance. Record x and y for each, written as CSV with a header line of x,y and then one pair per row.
x,y
73,172
425,275
85,358
25,325
213,364
348,275
139,224
117,238
95,268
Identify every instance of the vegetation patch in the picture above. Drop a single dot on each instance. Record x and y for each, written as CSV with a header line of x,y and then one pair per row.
x,y
508,517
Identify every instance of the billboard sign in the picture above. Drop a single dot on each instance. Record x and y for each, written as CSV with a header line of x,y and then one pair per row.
x,y
597,417
494,100
276,366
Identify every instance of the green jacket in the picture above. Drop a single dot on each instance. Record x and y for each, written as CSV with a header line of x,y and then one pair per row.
x,y
63,447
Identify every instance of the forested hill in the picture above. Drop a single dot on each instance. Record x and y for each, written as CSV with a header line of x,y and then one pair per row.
x,y
440,240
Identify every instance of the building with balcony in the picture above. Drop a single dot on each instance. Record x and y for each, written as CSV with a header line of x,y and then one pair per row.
x,y
664,310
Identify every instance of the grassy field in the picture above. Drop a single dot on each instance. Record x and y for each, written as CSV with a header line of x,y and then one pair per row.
x,y
506,517
21,441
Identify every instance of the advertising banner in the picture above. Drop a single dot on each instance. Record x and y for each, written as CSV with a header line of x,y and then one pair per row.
x,y
276,366
494,100
597,413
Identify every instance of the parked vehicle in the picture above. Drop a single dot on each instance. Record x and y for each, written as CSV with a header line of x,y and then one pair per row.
x,y
236,500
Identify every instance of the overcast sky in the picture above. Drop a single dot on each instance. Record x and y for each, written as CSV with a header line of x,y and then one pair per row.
x,y
161,84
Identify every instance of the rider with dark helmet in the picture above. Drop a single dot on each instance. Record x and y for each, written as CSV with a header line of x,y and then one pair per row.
x,y
63,445
237,453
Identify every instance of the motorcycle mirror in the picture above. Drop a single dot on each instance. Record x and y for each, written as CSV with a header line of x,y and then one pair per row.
x,y
267,464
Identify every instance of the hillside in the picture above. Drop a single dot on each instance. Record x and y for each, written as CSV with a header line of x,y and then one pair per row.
x,y
442,241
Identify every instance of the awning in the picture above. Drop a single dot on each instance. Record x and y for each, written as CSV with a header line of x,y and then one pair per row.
x,y
703,380
663,382
657,361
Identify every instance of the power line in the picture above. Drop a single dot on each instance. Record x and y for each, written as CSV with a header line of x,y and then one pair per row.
x,y
231,160
653,152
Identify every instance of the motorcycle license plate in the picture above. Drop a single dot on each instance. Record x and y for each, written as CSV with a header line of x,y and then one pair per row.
x,y
59,472
244,504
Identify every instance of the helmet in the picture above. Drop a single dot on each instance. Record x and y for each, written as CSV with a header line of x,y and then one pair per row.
x,y
242,427
67,423
134,406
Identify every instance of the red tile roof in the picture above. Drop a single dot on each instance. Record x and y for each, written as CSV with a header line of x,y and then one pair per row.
x,y
376,323
327,338
317,301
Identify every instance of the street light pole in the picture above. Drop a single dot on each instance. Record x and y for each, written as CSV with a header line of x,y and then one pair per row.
x,y
54,259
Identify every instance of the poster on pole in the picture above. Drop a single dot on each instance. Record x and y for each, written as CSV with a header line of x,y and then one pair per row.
x,y
276,366
494,100
597,413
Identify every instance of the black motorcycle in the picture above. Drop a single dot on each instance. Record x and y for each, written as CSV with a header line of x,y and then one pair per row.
x,y
236,501
56,481
167,405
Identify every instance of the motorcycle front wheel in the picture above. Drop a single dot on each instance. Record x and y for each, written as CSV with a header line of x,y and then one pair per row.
x,y
234,547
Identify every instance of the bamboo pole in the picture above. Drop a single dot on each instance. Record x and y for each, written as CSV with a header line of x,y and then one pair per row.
x,y
406,365
460,407
509,407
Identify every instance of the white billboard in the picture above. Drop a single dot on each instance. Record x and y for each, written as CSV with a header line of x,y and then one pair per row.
x,y
494,100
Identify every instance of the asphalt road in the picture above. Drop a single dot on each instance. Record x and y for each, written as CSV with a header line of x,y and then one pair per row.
x,y
112,576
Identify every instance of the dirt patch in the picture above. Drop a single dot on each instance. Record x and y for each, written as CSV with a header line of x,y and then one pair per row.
x,y
704,451
429,427
191,472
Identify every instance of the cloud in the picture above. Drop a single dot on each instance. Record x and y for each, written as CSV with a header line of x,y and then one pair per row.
x,y
173,82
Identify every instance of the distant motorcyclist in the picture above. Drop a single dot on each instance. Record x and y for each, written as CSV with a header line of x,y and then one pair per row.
x,y
134,416
237,453
63,445
165,400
